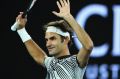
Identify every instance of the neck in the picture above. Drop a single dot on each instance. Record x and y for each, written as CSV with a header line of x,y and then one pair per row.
x,y
64,52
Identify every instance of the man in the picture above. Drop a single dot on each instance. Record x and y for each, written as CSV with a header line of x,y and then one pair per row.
x,y
61,65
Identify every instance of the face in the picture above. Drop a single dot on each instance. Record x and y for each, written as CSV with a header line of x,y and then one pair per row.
x,y
54,43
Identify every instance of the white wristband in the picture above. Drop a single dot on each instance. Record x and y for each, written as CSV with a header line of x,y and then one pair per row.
x,y
23,35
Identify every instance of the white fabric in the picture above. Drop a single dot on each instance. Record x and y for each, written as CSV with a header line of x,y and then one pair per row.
x,y
66,68
58,31
70,77
23,35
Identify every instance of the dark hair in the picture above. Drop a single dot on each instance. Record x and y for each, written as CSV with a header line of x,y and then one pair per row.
x,y
63,25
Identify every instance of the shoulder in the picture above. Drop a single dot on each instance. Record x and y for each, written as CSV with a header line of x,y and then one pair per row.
x,y
47,61
70,60
74,61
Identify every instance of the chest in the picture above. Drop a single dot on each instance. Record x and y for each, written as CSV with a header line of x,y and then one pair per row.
x,y
61,68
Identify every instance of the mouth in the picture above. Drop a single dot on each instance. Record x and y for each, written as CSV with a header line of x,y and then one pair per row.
x,y
50,48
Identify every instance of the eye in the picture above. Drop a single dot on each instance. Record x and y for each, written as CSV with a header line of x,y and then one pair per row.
x,y
46,39
52,38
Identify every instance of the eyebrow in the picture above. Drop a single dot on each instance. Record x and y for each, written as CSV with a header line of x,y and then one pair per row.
x,y
51,37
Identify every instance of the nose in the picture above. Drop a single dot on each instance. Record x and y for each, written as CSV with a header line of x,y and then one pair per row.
x,y
48,43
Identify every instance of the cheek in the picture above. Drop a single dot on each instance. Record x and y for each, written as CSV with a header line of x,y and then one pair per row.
x,y
57,44
60,45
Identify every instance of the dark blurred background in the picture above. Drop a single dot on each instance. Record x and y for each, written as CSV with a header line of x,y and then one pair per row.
x,y
104,29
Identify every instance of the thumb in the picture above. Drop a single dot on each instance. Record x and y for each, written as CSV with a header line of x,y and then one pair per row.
x,y
55,13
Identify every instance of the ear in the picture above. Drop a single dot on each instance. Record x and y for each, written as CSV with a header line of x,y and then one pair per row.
x,y
66,40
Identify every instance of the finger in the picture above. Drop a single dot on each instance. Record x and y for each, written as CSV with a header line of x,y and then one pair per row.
x,y
55,13
19,16
58,4
68,2
62,3
65,3
21,12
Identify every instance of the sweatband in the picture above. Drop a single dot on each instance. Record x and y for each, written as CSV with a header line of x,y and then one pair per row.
x,y
58,31
23,35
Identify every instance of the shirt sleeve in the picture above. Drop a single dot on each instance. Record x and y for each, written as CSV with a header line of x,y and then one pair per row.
x,y
78,69
48,61
73,61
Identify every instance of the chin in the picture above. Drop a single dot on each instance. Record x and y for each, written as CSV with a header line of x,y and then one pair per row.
x,y
52,54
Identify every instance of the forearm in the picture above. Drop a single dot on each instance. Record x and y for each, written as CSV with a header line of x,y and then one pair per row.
x,y
83,37
34,50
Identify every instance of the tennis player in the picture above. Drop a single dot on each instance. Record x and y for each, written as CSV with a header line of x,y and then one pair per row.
x,y
60,64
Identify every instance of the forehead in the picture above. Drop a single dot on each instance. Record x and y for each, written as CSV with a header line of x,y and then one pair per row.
x,y
51,34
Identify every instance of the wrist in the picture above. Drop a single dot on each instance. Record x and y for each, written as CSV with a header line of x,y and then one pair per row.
x,y
68,16
23,35
20,27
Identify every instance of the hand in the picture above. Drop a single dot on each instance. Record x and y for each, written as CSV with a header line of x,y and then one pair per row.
x,y
21,21
64,8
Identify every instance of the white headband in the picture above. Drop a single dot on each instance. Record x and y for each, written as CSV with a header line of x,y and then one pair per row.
x,y
58,31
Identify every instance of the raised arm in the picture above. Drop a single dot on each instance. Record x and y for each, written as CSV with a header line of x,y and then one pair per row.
x,y
87,44
34,50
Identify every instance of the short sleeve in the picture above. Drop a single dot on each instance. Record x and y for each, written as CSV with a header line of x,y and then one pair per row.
x,y
73,61
48,61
